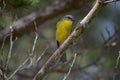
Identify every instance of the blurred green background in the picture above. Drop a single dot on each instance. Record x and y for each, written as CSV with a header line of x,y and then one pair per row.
x,y
97,57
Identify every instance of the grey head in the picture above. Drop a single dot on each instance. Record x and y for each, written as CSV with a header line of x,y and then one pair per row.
x,y
69,17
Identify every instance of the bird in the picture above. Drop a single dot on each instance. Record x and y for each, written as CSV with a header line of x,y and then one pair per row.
x,y
63,30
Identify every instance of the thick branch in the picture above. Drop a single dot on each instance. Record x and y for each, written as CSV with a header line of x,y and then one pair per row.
x,y
25,24
75,34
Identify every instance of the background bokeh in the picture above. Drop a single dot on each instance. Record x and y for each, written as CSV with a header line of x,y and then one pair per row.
x,y
97,54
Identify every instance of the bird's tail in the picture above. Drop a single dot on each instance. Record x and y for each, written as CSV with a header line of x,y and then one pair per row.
x,y
63,57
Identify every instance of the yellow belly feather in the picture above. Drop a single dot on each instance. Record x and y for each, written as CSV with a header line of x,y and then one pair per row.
x,y
63,30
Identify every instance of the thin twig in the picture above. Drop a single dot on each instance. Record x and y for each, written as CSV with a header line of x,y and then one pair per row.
x,y
29,58
116,66
23,64
40,57
19,68
110,1
61,67
2,52
3,44
35,40
34,44
10,50
65,77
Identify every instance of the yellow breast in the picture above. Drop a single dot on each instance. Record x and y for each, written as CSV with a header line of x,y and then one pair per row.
x,y
63,30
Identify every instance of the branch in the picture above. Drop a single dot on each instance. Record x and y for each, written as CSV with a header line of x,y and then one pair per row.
x,y
72,38
66,76
26,24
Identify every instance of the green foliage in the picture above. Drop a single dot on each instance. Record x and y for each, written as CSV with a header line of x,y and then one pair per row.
x,y
3,54
92,55
108,64
27,3
69,54
48,32
5,20
22,3
24,44
54,76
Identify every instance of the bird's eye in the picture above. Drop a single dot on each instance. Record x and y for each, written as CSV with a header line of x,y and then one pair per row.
x,y
70,18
